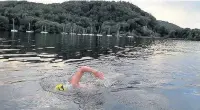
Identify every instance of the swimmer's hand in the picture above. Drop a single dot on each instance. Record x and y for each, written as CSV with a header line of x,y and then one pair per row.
x,y
82,86
99,75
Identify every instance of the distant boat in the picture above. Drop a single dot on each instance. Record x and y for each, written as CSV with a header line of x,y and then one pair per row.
x,y
72,31
29,27
91,34
99,32
99,35
79,33
64,32
13,30
109,35
91,31
84,34
130,36
44,32
118,33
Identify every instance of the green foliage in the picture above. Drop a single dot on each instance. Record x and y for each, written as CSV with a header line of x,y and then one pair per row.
x,y
52,27
191,34
96,16
172,34
169,26
4,22
100,15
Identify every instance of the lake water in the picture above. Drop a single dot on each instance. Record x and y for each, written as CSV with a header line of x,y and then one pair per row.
x,y
141,73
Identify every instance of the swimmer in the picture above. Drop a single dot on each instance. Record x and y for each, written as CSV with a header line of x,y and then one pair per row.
x,y
74,81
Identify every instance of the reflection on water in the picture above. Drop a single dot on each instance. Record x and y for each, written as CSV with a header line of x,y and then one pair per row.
x,y
64,46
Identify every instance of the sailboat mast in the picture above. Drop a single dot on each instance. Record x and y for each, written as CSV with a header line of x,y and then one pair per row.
x,y
118,30
73,28
13,24
83,31
91,30
99,30
65,28
29,26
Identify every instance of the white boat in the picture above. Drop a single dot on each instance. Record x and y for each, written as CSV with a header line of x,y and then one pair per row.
x,y
99,35
29,27
44,32
109,35
14,30
79,33
29,31
73,33
130,36
84,33
118,35
91,31
63,31
91,34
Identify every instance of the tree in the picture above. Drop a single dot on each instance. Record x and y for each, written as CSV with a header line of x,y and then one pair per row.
x,y
172,34
163,31
4,23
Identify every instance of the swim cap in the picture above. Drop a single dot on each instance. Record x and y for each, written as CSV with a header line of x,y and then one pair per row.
x,y
64,87
60,87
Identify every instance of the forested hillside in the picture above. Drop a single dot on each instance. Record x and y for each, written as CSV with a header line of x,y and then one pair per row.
x,y
169,26
90,17
100,15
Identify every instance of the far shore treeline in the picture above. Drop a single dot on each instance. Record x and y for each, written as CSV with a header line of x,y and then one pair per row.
x,y
90,17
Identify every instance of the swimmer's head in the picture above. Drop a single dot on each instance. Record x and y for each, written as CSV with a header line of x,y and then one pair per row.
x,y
60,87
64,87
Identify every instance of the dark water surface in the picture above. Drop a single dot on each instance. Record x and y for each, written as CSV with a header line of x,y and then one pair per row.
x,y
63,46
141,74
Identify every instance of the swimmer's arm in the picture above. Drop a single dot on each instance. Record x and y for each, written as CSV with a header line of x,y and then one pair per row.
x,y
77,76
95,72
